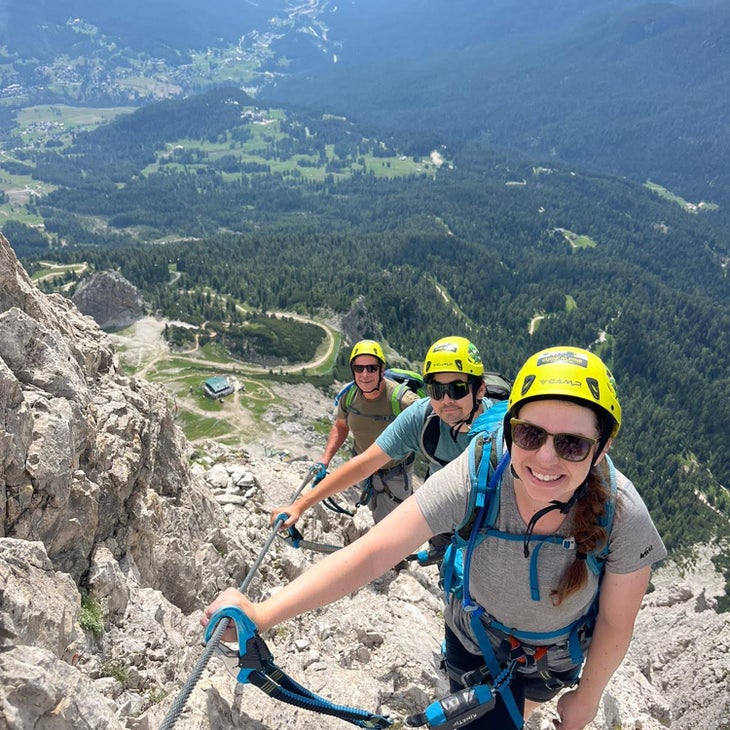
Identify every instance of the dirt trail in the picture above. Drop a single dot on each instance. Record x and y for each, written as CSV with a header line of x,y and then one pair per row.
x,y
145,346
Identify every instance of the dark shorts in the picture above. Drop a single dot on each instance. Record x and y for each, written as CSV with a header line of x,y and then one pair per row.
x,y
459,661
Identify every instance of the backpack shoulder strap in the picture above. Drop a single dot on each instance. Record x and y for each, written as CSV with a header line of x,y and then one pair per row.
x,y
486,466
430,434
396,398
351,393
484,452
347,392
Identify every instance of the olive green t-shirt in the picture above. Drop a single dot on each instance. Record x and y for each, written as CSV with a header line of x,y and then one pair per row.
x,y
367,419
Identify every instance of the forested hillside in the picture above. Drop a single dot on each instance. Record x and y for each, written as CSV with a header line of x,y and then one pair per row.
x,y
517,257
628,87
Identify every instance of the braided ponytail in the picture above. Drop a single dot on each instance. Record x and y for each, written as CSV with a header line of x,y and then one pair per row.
x,y
588,533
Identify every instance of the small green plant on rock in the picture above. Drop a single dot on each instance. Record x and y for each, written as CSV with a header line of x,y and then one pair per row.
x,y
156,695
91,618
117,670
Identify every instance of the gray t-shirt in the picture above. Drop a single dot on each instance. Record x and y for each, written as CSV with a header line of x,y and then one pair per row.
x,y
500,573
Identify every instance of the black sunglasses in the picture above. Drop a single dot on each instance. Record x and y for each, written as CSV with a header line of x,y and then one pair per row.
x,y
568,446
365,368
456,389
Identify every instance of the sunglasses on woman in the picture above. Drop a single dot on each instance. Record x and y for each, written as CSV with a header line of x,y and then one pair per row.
x,y
365,369
456,389
568,446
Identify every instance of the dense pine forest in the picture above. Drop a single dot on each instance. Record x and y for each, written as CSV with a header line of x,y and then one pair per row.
x,y
514,255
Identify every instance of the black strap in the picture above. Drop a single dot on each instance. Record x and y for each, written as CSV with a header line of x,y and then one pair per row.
x,y
430,434
280,686
564,508
295,538
331,504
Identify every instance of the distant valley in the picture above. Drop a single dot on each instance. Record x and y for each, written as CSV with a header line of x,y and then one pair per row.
x,y
626,87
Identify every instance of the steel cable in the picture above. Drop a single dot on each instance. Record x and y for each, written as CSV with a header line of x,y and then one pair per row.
x,y
180,701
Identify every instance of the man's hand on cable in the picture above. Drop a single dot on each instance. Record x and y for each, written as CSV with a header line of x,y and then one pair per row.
x,y
321,473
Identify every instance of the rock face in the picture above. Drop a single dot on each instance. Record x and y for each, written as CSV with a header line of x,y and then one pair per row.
x,y
112,301
114,534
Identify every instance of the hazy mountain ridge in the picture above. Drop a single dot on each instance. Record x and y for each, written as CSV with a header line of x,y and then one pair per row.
x,y
626,87
637,89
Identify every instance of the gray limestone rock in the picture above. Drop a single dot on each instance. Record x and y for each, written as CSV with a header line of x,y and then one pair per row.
x,y
111,300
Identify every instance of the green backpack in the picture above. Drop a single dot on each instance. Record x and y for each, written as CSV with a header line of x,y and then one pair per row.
x,y
406,379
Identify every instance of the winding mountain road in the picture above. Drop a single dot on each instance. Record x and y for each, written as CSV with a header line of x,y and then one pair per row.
x,y
144,347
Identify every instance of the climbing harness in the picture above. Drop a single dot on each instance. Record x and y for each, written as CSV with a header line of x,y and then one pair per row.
x,y
254,664
212,643
369,491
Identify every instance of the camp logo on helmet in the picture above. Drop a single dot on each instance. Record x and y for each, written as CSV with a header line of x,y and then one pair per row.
x,y
562,381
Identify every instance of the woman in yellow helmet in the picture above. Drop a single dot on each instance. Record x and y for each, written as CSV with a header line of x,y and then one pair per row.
x,y
534,599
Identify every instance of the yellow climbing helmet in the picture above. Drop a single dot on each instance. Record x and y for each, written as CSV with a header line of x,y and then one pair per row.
x,y
569,372
367,347
453,355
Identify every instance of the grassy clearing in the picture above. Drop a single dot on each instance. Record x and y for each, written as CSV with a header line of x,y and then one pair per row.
x,y
196,427
51,271
662,192
18,213
20,190
575,240
41,123
255,150
256,391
